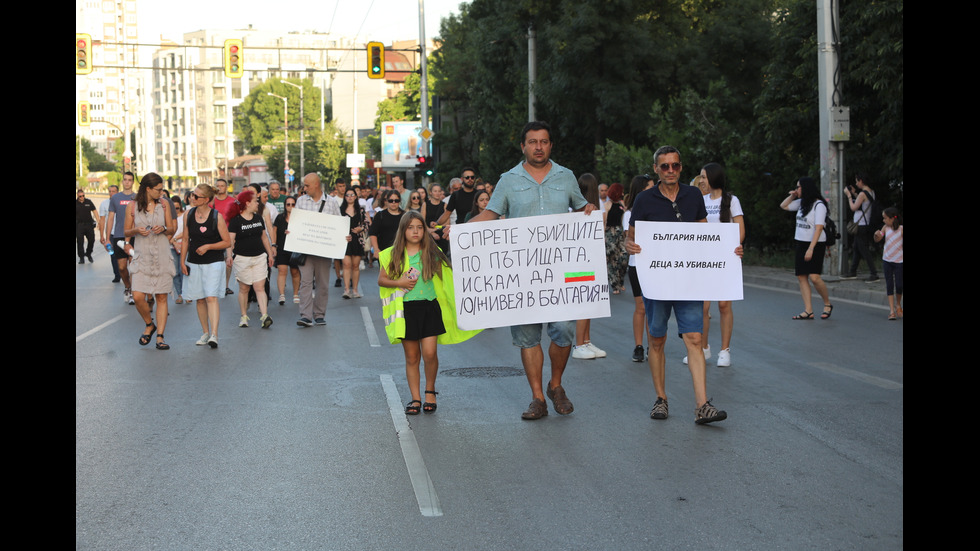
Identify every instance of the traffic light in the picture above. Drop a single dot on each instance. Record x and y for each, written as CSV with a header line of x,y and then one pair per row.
x,y
234,63
425,164
376,60
83,118
83,53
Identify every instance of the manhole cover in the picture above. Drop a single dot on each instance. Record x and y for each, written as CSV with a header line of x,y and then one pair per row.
x,y
498,371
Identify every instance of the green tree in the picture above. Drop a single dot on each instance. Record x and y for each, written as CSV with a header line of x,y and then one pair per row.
x,y
259,118
81,180
329,152
96,161
620,163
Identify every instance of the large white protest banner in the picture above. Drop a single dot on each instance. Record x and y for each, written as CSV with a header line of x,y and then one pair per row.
x,y
317,233
530,270
688,261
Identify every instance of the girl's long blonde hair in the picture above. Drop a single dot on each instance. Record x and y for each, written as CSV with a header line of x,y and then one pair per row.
x,y
432,257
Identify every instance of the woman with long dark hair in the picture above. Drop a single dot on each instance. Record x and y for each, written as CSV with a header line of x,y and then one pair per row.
x,y
351,208
149,223
480,202
282,255
810,240
724,207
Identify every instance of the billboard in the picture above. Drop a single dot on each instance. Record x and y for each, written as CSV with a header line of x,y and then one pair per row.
x,y
400,144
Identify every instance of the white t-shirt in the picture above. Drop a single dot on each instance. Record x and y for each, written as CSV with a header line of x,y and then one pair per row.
x,y
713,206
805,225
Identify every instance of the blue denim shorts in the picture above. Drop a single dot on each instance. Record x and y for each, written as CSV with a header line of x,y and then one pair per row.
x,y
561,333
689,314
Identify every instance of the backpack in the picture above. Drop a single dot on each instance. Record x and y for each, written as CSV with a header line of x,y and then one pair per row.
x,y
830,229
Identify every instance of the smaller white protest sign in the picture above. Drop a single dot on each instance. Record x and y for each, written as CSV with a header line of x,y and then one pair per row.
x,y
688,261
530,270
317,233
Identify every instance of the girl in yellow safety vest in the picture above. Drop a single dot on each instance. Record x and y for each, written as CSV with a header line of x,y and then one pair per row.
x,y
418,305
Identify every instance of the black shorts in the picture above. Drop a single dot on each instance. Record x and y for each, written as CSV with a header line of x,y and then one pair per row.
x,y
634,282
815,264
423,318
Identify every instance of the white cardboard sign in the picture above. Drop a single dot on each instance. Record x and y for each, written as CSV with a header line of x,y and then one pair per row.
x,y
317,233
688,261
530,270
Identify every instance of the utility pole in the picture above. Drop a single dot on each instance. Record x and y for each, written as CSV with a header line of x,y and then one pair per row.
x,y
423,86
834,128
532,70
302,136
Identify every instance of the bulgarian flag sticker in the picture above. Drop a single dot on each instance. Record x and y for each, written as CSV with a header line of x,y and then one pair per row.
x,y
579,276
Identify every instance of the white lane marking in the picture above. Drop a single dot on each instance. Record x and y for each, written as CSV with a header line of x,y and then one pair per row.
x,y
871,379
372,335
425,492
94,330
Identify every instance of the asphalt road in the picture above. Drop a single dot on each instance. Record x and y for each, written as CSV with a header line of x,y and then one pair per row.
x,y
294,438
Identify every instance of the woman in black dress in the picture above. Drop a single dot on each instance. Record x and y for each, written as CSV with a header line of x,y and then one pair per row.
x,y
283,256
355,249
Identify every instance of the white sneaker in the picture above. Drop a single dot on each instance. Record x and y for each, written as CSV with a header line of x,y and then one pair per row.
x,y
213,341
599,353
725,358
203,341
295,299
582,353
282,300
243,322
707,354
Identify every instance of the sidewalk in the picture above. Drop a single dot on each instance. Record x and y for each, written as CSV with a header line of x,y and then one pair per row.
x,y
857,290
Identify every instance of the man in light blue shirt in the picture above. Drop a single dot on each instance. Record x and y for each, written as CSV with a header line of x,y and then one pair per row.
x,y
535,187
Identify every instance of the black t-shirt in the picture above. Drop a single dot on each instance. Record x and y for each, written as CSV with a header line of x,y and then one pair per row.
x,y
248,235
83,211
384,227
461,202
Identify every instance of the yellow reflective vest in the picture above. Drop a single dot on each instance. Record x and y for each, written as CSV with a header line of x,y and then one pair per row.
x,y
393,305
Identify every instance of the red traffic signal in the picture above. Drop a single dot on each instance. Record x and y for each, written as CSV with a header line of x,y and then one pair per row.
x,y
233,62
83,54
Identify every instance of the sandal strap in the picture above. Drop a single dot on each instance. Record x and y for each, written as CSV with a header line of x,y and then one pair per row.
x,y
431,392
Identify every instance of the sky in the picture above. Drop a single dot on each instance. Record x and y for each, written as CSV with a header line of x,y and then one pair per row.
x,y
380,20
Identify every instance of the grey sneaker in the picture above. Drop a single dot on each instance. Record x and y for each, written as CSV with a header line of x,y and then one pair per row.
x,y
659,409
708,413
638,353
203,341
304,322
320,321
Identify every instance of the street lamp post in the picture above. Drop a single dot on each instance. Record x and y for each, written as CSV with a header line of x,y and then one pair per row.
x,y
285,102
302,137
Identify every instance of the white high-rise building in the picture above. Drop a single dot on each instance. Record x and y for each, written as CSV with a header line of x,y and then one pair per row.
x,y
111,88
194,102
